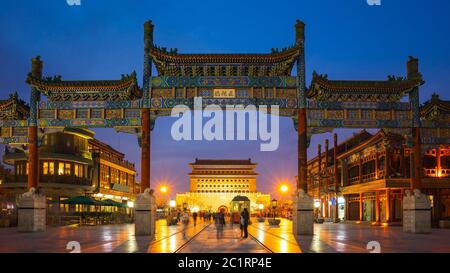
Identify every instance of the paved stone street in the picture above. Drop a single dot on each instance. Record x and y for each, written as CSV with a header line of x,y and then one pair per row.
x,y
263,238
207,242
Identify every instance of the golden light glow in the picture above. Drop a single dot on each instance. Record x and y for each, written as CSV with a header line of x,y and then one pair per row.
x,y
284,188
61,168
163,189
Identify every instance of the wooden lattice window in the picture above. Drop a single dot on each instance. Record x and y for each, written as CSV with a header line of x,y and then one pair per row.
x,y
83,113
66,114
132,113
46,113
383,115
97,113
113,113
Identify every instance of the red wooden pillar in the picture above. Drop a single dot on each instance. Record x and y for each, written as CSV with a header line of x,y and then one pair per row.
x,y
347,204
33,158
336,178
388,205
302,150
402,161
416,180
33,149
319,172
360,170
145,150
377,206
377,165
438,162
387,162
361,207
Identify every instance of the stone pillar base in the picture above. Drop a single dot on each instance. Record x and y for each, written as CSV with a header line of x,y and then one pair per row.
x,y
303,220
416,212
32,208
144,214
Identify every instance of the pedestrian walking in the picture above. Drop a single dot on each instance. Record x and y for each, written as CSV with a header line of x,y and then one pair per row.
x,y
245,215
185,222
241,225
194,217
220,222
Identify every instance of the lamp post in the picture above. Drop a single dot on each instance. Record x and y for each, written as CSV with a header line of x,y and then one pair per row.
x,y
274,206
172,205
284,188
260,207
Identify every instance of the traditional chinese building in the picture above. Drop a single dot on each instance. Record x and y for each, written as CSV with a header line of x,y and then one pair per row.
x,y
214,184
373,171
72,163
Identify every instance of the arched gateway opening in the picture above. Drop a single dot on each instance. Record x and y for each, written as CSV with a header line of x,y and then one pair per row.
x,y
223,209
216,79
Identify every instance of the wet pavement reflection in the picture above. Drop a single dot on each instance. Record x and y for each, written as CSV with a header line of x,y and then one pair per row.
x,y
328,238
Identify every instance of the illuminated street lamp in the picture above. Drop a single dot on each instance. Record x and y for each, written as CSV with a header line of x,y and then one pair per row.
x,y
284,188
163,189
261,207
172,204
274,204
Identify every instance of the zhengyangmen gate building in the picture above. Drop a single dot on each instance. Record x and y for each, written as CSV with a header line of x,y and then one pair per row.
x,y
250,79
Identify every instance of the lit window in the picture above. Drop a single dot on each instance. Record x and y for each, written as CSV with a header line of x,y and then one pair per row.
x,y
76,170
67,169
45,168
60,168
28,167
51,168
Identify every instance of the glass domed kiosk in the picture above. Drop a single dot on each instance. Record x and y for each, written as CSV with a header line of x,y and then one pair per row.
x,y
237,205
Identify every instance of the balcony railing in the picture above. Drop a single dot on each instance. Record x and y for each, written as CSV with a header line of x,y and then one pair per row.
x,y
354,180
57,179
123,163
435,172
369,177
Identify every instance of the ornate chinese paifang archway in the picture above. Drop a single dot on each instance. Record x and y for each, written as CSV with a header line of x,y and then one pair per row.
x,y
254,79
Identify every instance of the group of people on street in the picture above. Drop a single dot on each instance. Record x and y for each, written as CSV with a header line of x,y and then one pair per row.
x,y
243,223
219,221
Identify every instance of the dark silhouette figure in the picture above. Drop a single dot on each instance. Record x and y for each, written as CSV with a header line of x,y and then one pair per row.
x,y
220,222
245,219
194,217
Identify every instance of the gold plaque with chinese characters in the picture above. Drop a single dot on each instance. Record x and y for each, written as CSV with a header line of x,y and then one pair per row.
x,y
224,93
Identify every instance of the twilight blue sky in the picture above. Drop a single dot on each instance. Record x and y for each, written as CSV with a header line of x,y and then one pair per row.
x,y
102,39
